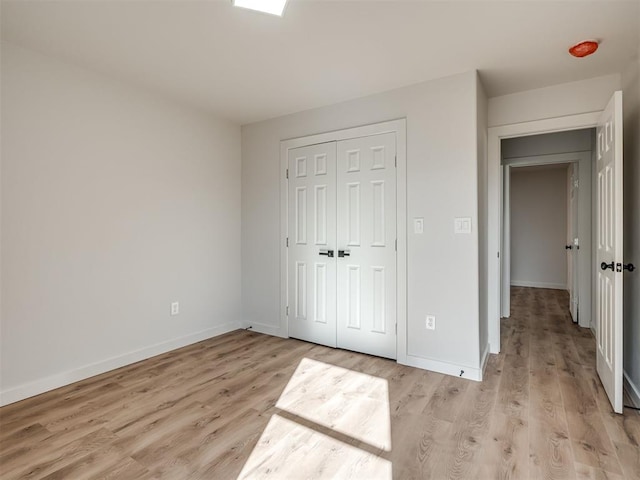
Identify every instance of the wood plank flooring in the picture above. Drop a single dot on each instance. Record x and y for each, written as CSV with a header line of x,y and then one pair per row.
x,y
252,406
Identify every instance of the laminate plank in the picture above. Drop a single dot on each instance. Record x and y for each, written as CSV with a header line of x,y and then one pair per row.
x,y
629,456
586,472
591,444
513,394
621,428
505,455
551,455
447,399
50,457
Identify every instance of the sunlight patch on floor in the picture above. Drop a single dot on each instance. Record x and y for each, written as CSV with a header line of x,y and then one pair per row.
x,y
287,449
326,399
352,403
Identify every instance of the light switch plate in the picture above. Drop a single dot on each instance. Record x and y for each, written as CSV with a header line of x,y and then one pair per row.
x,y
418,225
462,225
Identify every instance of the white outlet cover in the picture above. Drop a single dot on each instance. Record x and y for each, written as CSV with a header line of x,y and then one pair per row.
x,y
462,225
431,322
175,308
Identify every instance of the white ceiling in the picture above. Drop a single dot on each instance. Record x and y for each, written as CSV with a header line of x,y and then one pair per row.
x,y
249,66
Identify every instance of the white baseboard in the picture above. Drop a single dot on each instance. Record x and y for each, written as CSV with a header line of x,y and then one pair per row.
x,y
526,283
267,329
632,390
437,366
483,360
58,380
409,360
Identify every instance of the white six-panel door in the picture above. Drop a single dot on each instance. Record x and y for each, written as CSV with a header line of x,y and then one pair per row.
x,y
342,244
312,234
609,251
366,320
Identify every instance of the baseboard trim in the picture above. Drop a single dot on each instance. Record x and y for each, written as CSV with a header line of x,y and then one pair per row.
x,y
525,283
483,361
632,390
438,366
62,379
267,329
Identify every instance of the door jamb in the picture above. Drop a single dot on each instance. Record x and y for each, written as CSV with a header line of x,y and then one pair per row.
x,y
494,222
399,127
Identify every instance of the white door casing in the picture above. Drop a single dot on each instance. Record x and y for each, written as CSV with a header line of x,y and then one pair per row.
x,y
609,308
366,274
495,199
312,220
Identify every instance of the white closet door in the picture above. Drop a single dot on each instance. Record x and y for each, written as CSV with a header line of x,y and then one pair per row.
x,y
609,251
312,238
366,295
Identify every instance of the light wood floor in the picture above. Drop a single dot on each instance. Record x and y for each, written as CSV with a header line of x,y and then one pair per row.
x,y
209,411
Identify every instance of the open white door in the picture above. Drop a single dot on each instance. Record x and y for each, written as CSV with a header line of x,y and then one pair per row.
x,y
609,250
572,241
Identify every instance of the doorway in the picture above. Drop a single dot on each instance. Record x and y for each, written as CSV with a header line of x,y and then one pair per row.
x,y
547,228
607,217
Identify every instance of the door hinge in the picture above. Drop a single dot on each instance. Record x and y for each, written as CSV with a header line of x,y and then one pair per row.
x,y
287,310
396,161
396,328
287,174
396,244
498,254
287,242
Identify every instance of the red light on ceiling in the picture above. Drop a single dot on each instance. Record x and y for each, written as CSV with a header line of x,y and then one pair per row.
x,y
584,49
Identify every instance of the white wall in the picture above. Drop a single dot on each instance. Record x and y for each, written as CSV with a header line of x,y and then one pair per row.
x,y
631,109
547,144
442,184
556,101
539,226
114,203
481,125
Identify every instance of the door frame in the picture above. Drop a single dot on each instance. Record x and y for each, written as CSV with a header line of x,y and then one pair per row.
x,y
495,135
399,127
584,161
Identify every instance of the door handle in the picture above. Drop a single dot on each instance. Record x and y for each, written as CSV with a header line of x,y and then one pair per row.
x,y
344,253
568,247
626,266
328,253
605,266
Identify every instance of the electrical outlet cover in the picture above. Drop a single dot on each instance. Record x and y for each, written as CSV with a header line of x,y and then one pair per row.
x,y
431,322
